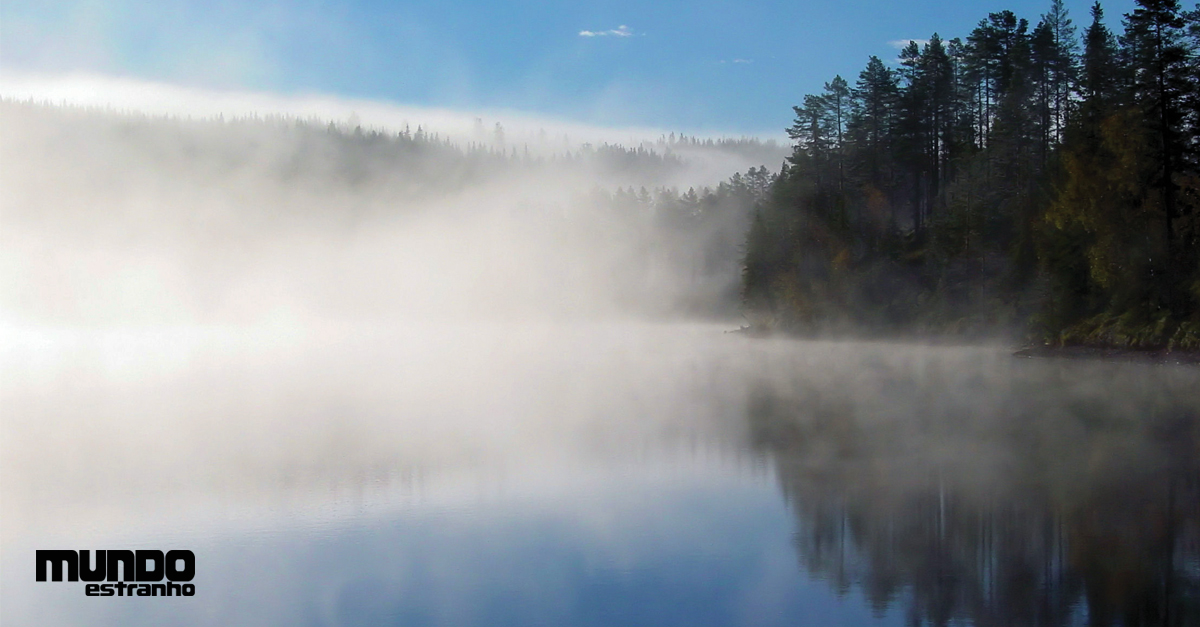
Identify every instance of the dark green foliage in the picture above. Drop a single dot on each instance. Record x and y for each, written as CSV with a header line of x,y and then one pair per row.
x,y
1009,179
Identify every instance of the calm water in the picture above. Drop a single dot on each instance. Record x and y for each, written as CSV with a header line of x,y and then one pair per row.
x,y
597,475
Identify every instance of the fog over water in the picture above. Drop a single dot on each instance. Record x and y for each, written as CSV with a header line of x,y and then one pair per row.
x,y
371,377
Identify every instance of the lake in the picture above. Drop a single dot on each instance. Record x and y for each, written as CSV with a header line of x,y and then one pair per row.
x,y
596,474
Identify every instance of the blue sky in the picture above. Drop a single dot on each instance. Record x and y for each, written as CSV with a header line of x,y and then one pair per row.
x,y
699,66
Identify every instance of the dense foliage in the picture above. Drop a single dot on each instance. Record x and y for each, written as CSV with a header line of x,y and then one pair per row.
x,y
1026,177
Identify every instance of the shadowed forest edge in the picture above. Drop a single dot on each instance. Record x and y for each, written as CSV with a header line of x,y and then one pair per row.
x,y
1021,180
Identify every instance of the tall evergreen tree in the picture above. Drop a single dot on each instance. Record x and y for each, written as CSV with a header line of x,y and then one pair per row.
x,y
1064,63
837,110
1163,80
1100,76
872,123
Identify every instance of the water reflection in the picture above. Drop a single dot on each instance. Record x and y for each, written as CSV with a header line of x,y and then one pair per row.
x,y
989,491
605,474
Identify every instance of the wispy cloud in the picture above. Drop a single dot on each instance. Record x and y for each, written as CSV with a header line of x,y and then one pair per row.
x,y
620,31
901,44
154,98
737,61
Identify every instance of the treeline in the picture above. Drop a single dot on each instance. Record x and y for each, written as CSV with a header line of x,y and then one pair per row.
x,y
1023,177
752,148
651,228
694,234
318,151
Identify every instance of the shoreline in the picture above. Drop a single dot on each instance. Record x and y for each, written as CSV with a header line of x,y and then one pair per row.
x,y
1116,354
1156,356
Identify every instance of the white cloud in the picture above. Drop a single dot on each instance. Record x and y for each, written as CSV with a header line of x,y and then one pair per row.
x,y
620,31
901,44
155,98
744,61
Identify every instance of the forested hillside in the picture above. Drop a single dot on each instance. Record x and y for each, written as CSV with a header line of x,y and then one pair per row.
x,y
1028,177
204,219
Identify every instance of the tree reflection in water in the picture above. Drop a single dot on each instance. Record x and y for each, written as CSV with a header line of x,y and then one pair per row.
x,y
987,489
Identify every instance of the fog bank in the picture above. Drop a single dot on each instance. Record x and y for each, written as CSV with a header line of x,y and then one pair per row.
x,y
154,216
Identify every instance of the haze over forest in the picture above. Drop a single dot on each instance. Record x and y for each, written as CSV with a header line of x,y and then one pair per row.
x,y
122,218
1032,178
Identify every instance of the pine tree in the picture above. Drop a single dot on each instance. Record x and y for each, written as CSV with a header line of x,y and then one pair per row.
x,y
1156,45
837,111
1064,64
1100,77
872,123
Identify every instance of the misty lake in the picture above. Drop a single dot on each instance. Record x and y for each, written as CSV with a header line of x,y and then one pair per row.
x,y
597,474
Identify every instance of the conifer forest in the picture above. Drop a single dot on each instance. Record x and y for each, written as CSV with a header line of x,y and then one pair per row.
x,y
1035,176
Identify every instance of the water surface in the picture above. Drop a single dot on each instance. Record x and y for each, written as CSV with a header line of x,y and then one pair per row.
x,y
597,474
